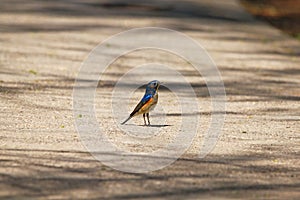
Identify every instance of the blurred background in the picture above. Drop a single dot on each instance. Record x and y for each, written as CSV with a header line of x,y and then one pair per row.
x,y
282,14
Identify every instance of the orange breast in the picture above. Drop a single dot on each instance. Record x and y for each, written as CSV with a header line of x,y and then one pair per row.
x,y
147,105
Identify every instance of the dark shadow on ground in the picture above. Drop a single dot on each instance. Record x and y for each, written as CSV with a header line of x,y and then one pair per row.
x,y
254,89
95,8
72,171
260,88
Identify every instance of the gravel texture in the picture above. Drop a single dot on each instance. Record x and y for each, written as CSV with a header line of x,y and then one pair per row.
x,y
42,46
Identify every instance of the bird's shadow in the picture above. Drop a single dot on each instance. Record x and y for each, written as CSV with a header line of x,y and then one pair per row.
x,y
151,125
156,125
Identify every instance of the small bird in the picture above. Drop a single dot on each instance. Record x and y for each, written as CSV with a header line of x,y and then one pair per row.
x,y
147,103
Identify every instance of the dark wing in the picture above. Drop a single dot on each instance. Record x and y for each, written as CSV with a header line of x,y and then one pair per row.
x,y
145,99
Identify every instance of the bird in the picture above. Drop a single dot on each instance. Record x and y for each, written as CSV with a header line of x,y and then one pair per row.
x,y
147,103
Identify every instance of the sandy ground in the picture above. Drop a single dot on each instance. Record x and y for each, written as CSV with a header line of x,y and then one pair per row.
x,y
42,47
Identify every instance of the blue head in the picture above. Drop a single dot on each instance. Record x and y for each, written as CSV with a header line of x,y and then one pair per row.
x,y
152,86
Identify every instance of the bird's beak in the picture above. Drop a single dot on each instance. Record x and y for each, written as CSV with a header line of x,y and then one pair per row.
x,y
159,84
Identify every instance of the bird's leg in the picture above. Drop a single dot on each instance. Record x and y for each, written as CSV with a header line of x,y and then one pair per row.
x,y
148,118
144,119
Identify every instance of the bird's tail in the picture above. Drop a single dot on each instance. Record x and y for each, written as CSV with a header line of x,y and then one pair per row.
x,y
126,120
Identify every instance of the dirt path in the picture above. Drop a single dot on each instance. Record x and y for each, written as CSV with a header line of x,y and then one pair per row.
x,y
42,47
